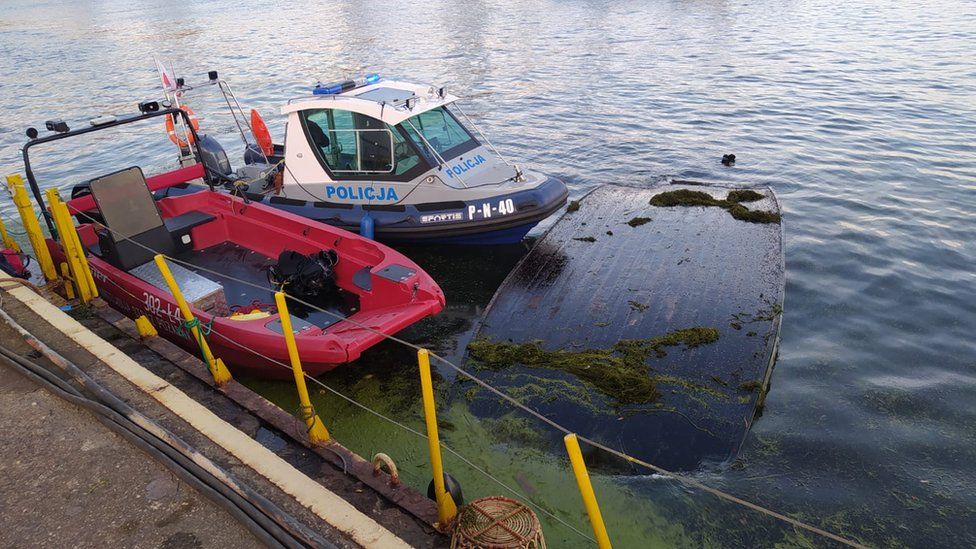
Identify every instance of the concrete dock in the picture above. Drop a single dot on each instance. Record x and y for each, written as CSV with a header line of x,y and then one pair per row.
x,y
65,479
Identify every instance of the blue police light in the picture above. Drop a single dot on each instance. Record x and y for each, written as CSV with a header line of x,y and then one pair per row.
x,y
327,89
339,87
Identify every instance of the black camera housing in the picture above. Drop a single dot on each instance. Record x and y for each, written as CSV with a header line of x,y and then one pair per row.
x,y
148,106
59,126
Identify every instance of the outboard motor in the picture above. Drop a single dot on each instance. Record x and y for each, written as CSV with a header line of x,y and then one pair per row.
x,y
217,164
214,158
307,277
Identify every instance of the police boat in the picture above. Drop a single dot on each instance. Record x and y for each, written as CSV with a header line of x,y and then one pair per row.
x,y
390,159
228,256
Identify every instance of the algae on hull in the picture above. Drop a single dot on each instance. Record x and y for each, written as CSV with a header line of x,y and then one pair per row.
x,y
686,197
619,372
744,195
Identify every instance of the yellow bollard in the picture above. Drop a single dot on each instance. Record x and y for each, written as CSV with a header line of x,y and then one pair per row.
x,y
220,373
33,229
316,429
7,241
68,237
446,507
146,329
80,250
586,490
69,289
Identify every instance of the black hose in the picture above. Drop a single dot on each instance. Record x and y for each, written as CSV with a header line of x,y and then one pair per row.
x,y
170,441
260,516
131,433
297,529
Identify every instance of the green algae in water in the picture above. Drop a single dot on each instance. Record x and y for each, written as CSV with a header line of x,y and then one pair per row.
x,y
638,221
619,372
687,197
750,386
511,428
638,306
574,206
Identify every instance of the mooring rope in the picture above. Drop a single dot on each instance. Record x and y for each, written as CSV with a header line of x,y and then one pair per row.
x,y
381,416
511,400
186,328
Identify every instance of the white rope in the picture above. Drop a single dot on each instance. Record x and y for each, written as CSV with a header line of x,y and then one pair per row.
x,y
379,415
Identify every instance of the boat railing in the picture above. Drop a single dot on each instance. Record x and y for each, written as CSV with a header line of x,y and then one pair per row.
x,y
150,110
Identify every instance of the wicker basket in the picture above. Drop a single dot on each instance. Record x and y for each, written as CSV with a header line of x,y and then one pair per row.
x,y
497,523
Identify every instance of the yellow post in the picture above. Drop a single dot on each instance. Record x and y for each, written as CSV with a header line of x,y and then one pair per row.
x,y
446,507
80,250
71,234
316,429
220,373
146,329
69,244
586,490
33,229
69,289
8,242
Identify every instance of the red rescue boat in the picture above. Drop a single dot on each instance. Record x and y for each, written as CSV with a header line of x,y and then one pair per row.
x,y
228,256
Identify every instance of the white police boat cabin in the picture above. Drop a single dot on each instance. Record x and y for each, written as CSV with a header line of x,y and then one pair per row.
x,y
398,154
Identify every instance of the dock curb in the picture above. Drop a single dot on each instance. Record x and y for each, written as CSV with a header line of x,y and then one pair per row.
x,y
327,505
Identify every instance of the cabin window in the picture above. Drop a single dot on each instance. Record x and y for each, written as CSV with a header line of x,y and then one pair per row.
x,y
442,131
349,143
405,157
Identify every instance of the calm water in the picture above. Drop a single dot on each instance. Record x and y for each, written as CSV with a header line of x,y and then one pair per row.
x,y
862,116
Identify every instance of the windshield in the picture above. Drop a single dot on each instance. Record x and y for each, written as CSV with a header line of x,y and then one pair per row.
x,y
442,131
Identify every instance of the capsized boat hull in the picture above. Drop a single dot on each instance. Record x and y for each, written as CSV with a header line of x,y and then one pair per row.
x,y
654,329
501,219
256,347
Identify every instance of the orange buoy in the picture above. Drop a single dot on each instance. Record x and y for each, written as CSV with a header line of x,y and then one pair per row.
x,y
261,133
171,128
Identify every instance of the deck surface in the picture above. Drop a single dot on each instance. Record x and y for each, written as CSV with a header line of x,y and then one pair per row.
x,y
687,267
238,264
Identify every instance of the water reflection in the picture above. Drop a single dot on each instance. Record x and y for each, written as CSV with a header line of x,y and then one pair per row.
x,y
860,114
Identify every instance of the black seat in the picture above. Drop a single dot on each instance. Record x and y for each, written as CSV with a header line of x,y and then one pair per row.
x,y
317,135
136,231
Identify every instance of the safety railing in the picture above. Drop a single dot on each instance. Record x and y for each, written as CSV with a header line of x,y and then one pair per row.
x,y
31,226
317,432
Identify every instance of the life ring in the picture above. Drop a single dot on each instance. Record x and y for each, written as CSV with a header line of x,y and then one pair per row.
x,y
261,133
171,128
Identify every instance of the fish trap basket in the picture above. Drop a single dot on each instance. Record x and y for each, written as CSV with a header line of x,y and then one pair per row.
x,y
497,523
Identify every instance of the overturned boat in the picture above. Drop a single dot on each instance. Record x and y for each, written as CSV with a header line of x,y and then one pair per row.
x,y
670,357
229,256
387,158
